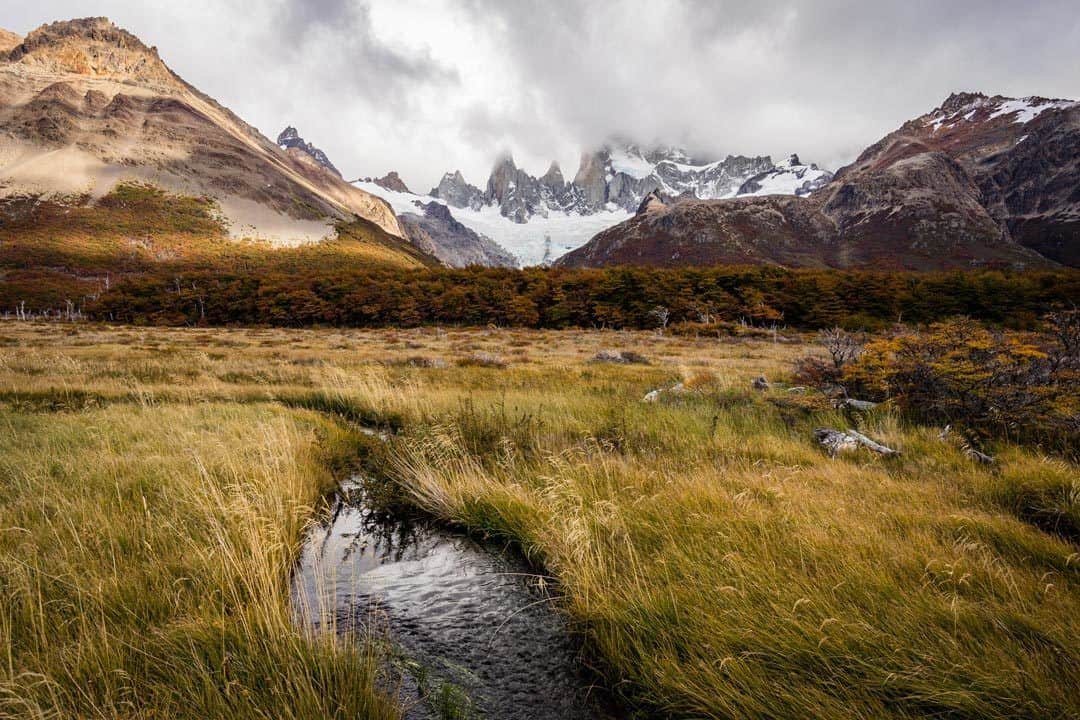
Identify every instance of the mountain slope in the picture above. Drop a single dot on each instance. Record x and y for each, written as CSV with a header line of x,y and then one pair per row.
x,y
958,187
84,105
438,233
752,230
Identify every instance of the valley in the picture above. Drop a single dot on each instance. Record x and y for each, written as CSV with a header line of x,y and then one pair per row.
x,y
689,433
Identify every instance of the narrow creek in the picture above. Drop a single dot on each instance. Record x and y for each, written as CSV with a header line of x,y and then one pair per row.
x,y
468,617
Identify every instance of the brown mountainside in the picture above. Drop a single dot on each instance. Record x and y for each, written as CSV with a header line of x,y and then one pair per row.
x,y
980,181
84,105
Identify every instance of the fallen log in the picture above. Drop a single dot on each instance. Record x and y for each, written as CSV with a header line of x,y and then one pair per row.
x,y
837,441
853,404
979,457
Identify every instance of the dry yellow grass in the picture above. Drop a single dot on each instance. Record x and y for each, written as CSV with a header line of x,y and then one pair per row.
x,y
718,562
145,552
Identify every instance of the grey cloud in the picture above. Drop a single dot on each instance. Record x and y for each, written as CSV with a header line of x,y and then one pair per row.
x,y
822,78
357,57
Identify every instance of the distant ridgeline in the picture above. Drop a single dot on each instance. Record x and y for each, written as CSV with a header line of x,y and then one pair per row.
x,y
716,300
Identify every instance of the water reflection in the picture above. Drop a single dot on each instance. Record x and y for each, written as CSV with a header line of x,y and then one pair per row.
x,y
470,612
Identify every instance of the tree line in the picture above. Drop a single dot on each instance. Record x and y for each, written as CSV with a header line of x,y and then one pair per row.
x,y
623,297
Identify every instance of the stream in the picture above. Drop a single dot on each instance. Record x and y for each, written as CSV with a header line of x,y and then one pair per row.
x,y
470,618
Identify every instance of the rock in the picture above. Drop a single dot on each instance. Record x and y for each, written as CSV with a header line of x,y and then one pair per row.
x,y
457,192
836,441
393,182
761,383
871,444
653,202
290,139
651,397
9,41
622,357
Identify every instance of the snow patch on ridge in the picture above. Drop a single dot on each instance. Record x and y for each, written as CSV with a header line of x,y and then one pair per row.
x,y
1027,109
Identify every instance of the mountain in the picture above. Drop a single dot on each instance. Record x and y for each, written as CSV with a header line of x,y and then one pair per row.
x,y
85,105
622,175
391,181
1009,167
437,233
538,241
619,176
775,230
456,192
978,181
790,177
519,196
538,219
290,140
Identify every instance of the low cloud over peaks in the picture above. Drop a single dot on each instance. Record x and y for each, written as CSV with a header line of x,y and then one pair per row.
x,y
425,86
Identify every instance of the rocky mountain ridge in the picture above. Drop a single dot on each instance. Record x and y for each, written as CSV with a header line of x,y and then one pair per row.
x,y
619,176
290,139
978,181
85,105
434,230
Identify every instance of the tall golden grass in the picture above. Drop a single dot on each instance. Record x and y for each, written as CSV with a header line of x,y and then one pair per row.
x,y
145,554
718,563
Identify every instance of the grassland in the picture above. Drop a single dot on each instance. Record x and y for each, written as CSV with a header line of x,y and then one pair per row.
x,y
718,563
54,252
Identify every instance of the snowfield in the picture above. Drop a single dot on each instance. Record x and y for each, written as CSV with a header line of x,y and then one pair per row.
x,y
540,241
790,178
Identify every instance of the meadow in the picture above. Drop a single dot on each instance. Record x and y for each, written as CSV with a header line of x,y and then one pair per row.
x,y
156,483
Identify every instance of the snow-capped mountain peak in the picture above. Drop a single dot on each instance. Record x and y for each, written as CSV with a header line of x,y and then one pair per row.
x,y
962,109
790,177
290,139
539,219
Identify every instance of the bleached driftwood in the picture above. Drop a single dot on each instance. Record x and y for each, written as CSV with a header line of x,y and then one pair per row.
x,y
654,395
853,404
837,441
979,456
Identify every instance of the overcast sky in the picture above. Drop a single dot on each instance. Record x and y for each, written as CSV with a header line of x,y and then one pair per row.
x,y
426,86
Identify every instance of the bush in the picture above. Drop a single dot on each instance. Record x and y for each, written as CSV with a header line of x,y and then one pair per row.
x,y
843,347
1023,387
